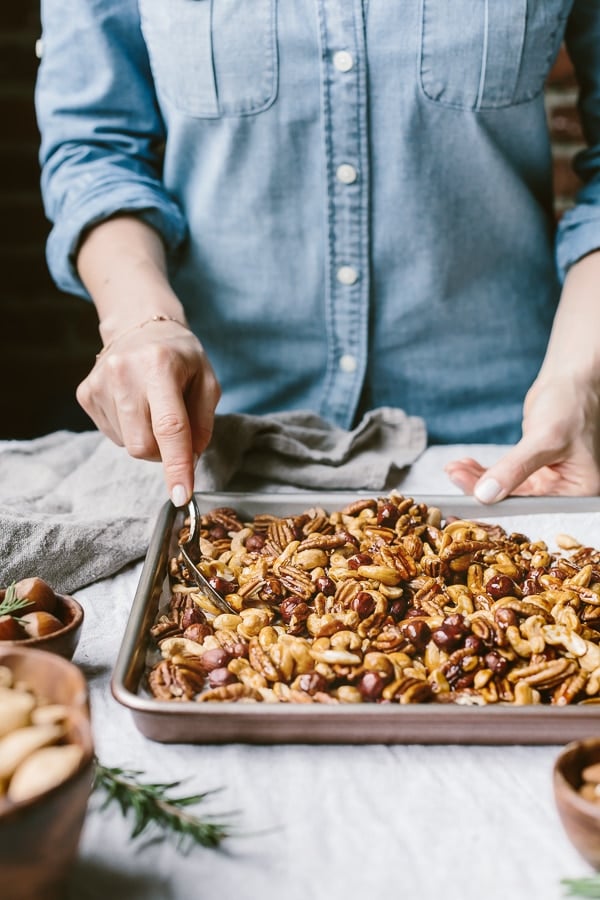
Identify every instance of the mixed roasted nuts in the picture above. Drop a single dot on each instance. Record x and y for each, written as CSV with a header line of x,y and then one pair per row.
x,y
380,602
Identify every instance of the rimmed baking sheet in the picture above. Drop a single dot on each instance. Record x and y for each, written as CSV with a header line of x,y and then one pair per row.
x,y
189,722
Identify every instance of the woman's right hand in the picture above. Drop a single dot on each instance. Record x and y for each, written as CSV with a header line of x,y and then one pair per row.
x,y
152,389
154,392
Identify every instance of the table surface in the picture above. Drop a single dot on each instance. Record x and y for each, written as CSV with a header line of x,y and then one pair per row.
x,y
339,822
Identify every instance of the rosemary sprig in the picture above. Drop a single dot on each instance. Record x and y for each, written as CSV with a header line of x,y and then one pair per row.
x,y
582,887
11,603
153,807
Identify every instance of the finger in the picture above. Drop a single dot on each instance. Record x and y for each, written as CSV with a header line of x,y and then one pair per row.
x,y
201,401
464,474
131,412
512,471
463,461
136,428
93,406
171,428
125,406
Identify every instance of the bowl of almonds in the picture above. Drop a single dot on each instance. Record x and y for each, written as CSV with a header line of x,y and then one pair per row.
x,y
576,780
46,771
33,614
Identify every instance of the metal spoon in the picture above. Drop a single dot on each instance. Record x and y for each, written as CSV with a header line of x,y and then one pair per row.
x,y
190,551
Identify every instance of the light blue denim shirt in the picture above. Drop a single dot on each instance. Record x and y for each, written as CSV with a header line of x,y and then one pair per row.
x,y
356,194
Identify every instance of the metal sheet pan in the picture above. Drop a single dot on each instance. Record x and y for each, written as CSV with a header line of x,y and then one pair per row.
x,y
190,722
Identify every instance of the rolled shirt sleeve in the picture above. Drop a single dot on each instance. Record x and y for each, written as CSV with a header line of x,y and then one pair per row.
x,y
102,133
579,228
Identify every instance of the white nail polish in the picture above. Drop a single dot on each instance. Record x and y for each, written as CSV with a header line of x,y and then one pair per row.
x,y
179,495
489,490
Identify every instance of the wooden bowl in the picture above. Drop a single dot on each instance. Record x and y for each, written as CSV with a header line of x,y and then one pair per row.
x,y
63,641
39,837
580,817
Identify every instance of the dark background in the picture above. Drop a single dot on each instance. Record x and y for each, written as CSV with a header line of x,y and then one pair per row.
x,y
48,339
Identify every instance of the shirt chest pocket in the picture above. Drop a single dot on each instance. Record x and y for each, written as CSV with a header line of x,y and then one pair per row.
x,y
212,58
486,54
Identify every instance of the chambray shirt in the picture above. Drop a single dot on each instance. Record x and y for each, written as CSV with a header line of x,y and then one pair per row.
x,y
355,194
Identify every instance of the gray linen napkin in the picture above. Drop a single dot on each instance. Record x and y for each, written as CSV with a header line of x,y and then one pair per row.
x,y
75,508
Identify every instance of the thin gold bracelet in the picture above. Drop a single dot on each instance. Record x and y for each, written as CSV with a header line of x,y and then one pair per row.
x,y
157,318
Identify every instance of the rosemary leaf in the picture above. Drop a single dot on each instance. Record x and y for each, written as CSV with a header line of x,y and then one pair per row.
x,y
11,603
153,807
582,887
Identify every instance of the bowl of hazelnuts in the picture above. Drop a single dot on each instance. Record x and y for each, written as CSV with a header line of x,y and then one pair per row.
x,y
33,614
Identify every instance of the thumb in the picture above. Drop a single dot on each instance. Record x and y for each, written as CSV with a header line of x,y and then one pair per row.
x,y
511,470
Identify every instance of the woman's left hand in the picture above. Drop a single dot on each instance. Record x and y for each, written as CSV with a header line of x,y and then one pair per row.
x,y
559,452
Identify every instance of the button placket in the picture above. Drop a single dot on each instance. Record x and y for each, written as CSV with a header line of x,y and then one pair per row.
x,y
345,128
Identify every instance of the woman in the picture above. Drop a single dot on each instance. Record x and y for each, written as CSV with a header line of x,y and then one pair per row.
x,y
328,205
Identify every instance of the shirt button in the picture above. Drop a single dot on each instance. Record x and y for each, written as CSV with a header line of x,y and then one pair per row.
x,y
348,363
347,275
346,173
343,61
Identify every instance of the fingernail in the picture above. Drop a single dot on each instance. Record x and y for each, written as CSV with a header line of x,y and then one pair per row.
x,y
489,491
179,495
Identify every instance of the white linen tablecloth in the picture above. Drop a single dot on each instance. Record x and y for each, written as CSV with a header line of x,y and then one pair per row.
x,y
337,822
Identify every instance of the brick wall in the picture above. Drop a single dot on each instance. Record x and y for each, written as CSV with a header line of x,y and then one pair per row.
x,y
48,339
565,129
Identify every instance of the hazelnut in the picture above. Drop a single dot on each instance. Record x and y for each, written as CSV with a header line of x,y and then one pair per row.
x,y
505,617
497,663
38,592
531,586
388,514
294,609
417,632
217,658
221,677
326,585
499,586
39,624
451,632
239,650
254,543
398,609
223,586
371,685
364,604
446,639
10,629
474,643
359,559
